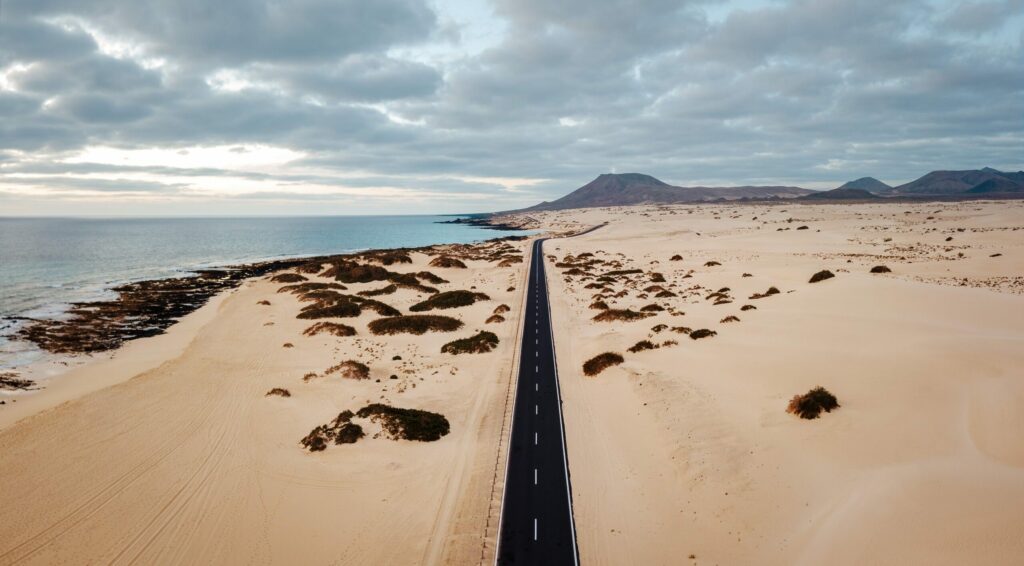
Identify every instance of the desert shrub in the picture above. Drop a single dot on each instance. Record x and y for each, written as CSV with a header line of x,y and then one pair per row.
x,y
350,369
657,278
653,288
348,271
288,278
264,302
509,261
501,309
676,257
303,288
600,362
748,275
641,346
414,324
279,392
665,294
771,291
711,263
480,343
658,328
811,404
801,228
575,271
821,276
288,345
682,329
880,269
653,307
748,308
730,318
599,305
340,431
309,376
618,272
627,315
702,333
343,309
387,290
408,424
494,318
430,277
312,267
668,343
444,261
388,257
348,433
449,300
383,309
329,328
594,285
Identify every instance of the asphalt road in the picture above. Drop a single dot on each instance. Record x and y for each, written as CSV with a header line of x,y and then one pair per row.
x,y
536,515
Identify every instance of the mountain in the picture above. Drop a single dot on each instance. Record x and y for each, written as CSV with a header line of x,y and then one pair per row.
x,y
988,180
869,184
624,189
842,193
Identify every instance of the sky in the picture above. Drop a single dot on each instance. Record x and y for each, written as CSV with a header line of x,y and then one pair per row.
x,y
275,107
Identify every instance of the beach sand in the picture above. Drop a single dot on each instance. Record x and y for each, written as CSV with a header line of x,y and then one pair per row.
x,y
170,452
685,454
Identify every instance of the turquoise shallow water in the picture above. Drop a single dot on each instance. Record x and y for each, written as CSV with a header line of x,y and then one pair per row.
x,y
46,263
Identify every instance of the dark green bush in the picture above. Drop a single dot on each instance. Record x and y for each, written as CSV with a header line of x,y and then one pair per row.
x,y
449,300
480,343
407,424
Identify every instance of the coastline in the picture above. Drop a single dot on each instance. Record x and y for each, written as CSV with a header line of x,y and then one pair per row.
x,y
187,436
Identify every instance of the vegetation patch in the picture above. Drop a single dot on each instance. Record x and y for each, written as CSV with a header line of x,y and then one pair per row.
x,y
682,330
414,324
350,369
599,305
480,343
641,346
494,318
600,362
278,391
430,278
665,294
406,424
449,300
326,327
702,333
821,276
625,315
303,288
348,271
447,262
771,291
623,272
501,309
880,269
340,431
711,263
344,309
288,278
748,308
811,404
676,257
730,318
653,307
386,290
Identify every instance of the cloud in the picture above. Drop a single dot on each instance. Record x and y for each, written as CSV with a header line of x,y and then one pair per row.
x,y
396,98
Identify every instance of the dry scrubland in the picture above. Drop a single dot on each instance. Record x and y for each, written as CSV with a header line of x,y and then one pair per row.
x,y
281,424
685,452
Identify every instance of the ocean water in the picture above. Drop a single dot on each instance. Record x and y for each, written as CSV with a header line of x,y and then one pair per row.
x,y
47,263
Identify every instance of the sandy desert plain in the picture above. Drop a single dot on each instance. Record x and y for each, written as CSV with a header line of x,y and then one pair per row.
x,y
171,451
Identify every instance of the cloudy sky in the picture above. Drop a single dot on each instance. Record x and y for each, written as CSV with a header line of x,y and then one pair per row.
x,y
163,107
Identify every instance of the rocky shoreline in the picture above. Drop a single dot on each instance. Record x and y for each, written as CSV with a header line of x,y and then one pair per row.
x,y
486,222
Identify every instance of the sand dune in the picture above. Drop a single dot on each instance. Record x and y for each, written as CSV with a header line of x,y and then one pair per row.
x,y
190,461
687,449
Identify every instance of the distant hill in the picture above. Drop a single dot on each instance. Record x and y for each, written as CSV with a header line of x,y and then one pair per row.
x,y
624,189
986,180
869,184
842,194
